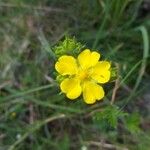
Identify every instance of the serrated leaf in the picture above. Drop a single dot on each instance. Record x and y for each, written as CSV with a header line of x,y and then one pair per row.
x,y
132,122
110,114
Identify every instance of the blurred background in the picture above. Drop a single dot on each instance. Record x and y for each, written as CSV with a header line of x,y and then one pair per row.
x,y
34,115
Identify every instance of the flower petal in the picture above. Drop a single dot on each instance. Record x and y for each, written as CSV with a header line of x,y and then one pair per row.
x,y
100,72
66,65
71,87
88,59
92,92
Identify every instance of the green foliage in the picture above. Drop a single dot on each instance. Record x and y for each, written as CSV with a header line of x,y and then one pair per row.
x,y
114,73
143,142
64,144
109,116
29,95
132,123
68,46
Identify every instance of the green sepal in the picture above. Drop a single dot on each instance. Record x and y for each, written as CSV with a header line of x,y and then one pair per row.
x,y
69,46
60,78
114,73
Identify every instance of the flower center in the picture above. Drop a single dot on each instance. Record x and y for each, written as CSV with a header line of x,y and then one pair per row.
x,y
83,74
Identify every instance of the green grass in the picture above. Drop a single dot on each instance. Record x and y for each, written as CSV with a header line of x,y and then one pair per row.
x,y
34,115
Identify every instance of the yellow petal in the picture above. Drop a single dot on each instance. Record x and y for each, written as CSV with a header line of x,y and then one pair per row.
x,y
88,59
71,87
100,72
92,92
66,65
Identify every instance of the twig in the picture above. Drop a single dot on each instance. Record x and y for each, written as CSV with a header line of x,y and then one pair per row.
x,y
31,119
44,8
117,84
31,110
4,84
104,145
50,79
93,112
2,136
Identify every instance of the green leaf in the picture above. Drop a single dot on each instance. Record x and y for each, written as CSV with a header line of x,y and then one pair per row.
x,y
109,115
132,123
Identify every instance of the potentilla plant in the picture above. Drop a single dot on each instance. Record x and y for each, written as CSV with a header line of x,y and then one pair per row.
x,y
82,72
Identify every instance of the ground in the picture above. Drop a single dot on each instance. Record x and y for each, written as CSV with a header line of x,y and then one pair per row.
x,y
34,115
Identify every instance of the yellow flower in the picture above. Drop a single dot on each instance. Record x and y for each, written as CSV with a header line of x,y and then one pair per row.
x,y
83,75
